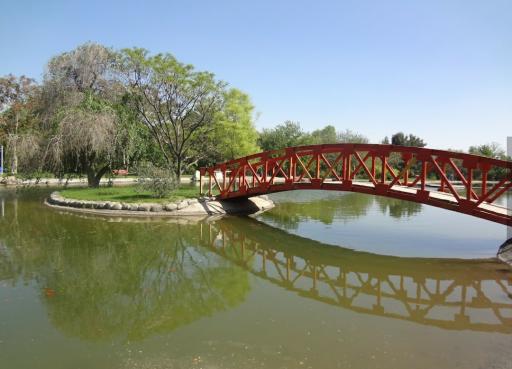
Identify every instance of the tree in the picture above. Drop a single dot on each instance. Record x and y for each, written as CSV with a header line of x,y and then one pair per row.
x,y
284,135
15,97
235,135
411,140
495,151
490,150
176,103
349,136
87,138
83,111
326,135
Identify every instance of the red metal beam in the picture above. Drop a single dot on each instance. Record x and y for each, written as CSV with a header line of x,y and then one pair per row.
x,y
279,173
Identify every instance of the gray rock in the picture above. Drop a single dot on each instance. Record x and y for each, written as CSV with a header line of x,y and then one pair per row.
x,y
126,206
171,207
182,204
192,201
116,206
53,196
156,208
134,207
144,207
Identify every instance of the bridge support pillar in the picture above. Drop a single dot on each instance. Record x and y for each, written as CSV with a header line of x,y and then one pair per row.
x,y
423,195
317,182
505,252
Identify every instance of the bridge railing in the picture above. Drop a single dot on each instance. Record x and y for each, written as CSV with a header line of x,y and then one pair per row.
x,y
457,181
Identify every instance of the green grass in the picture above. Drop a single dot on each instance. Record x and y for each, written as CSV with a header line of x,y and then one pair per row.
x,y
127,194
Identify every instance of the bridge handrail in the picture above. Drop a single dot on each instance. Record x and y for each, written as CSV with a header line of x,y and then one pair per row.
x,y
314,167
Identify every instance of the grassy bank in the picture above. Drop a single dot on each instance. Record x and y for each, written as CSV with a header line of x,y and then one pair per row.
x,y
127,194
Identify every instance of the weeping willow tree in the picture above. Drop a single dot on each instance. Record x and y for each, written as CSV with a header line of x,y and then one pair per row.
x,y
87,140
85,119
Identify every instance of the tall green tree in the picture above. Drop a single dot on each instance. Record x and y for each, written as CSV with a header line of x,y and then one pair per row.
x,y
326,135
235,135
490,150
407,140
284,135
177,103
495,151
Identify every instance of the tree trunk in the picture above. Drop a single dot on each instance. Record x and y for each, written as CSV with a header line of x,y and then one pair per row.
x,y
93,178
178,170
14,162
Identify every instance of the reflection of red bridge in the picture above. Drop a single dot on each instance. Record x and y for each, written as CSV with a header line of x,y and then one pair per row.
x,y
386,170
449,294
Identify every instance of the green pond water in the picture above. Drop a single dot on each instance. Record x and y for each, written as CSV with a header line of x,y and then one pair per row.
x,y
324,280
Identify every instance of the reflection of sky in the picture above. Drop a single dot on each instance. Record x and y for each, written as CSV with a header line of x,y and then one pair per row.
x,y
432,232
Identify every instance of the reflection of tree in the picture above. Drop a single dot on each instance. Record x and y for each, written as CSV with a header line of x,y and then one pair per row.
x,y
126,280
397,208
325,207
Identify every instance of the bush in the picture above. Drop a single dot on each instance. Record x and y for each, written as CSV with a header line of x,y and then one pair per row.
x,y
161,182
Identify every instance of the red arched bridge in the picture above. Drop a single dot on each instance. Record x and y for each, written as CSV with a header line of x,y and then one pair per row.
x,y
461,182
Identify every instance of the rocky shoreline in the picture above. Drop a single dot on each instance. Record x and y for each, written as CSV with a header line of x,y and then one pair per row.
x,y
187,207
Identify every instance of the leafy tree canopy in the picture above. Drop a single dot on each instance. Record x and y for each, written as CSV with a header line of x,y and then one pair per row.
x,y
235,134
407,140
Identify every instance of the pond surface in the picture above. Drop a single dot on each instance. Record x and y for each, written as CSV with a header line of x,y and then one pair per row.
x,y
298,287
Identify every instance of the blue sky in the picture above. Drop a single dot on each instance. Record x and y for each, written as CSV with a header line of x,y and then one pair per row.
x,y
439,69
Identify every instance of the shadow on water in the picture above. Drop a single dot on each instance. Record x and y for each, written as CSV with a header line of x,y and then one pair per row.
x,y
99,278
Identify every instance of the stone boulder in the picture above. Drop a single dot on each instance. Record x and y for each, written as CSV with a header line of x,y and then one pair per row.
x,y
171,207
157,208
182,204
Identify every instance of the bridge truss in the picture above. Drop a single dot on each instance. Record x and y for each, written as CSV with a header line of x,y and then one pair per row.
x,y
461,182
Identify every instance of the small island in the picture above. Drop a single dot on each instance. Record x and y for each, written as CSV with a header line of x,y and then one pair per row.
x,y
131,201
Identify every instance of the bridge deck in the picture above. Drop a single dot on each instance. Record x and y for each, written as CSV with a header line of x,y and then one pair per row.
x,y
412,192
437,195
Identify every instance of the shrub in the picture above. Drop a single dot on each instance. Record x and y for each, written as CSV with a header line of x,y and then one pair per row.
x,y
159,181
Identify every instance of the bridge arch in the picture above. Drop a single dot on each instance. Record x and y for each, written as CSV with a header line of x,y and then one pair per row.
x,y
427,176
